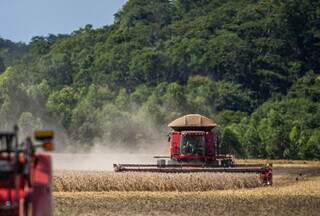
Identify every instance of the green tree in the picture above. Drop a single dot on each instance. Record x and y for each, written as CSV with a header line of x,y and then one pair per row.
x,y
147,66
39,45
141,94
2,66
229,142
233,97
200,94
252,143
312,148
58,70
143,11
174,100
85,123
61,103
122,100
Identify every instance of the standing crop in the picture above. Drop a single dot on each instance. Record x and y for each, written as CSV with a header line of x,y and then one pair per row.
x,y
108,181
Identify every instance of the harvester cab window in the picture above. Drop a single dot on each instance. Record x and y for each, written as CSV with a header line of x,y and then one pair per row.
x,y
193,144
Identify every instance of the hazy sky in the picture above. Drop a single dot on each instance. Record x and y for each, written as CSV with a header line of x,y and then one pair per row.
x,y
20,20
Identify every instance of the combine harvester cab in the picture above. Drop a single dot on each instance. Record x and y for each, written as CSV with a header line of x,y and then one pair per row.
x,y
194,148
25,175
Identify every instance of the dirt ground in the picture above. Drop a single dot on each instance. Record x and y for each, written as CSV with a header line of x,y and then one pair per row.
x,y
296,191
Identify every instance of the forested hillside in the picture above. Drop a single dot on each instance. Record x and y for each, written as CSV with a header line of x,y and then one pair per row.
x,y
252,65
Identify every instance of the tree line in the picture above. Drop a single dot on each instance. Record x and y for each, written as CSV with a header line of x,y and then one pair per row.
x,y
251,65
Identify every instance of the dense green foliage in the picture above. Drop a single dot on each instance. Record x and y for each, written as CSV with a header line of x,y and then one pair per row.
x,y
9,52
251,65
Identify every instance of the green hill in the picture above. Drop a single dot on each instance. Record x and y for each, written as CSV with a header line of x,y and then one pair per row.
x,y
253,65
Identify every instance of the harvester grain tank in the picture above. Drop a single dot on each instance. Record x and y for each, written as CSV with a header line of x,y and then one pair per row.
x,y
25,175
194,148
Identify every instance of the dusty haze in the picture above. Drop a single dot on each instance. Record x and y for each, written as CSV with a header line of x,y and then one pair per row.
x,y
96,161
102,158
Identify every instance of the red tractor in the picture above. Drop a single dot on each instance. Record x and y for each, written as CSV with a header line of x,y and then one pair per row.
x,y
194,148
25,175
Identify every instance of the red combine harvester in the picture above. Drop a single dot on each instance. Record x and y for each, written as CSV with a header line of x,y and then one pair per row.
x,y
194,148
25,175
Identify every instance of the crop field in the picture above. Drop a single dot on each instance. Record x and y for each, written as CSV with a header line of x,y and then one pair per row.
x,y
80,181
296,191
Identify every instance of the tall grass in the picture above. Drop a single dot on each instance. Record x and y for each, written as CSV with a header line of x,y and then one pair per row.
x,y
77,181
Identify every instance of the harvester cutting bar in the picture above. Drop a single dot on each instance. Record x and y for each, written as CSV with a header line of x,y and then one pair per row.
x,y
265,171
179,165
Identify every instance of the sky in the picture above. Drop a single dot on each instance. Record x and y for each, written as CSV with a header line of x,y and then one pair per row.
x,y
20,20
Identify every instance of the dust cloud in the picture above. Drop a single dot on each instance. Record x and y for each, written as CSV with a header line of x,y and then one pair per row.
x,y
103,153
96,161
101,158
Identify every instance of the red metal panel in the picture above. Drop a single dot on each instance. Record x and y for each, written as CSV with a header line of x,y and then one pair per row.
x,y
210,142
41,196
7,193
175,143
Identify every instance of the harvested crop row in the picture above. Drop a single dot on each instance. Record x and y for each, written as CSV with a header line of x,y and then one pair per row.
x,y
73,181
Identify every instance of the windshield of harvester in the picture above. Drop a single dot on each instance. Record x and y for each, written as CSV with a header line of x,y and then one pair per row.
x,y
193,144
